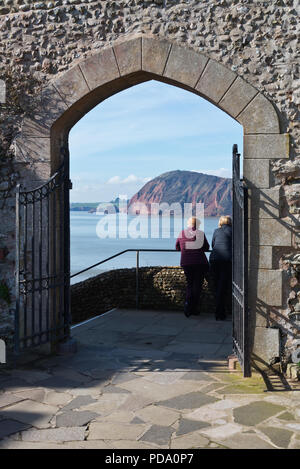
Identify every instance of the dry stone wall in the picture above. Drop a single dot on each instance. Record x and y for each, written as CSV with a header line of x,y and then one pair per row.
x,y
258,40
160,288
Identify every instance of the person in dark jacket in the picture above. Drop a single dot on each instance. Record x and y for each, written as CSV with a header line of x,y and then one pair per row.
x,y
193,243
221,264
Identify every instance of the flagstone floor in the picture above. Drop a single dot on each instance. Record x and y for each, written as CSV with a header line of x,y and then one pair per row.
x,y
146,379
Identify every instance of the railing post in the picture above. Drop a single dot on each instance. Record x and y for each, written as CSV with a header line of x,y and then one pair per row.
x,y
17,274
137,280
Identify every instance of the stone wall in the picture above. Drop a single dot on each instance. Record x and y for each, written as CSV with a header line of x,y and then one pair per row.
x,y
257,40
160,288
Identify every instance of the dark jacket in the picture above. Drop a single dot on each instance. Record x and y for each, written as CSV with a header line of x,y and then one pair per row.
x,y
192,244
222,244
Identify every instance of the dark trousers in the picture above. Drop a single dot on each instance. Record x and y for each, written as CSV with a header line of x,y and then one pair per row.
x,y
221,273
194,276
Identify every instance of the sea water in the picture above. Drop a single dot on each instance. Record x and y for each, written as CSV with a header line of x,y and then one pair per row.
x,y
87,248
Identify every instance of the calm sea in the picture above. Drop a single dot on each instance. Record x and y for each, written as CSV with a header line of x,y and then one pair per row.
x,y
87,248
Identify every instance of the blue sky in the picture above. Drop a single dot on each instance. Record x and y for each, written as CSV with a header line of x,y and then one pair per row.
x,y
143,132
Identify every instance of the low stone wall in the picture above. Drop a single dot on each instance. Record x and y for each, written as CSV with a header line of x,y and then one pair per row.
x,y
159,288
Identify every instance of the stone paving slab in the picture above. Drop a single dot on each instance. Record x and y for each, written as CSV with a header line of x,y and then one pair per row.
x,y
135,402
72,375
130,444
155,391
15,384
278,436
200,350
55,434
32,394
113,431
286,416
111,389
94,389
191,441
137,420
255,413
141,395
8,444
162,377
58,383
30,376
120,416
75,419
158,415
158,434
198,376
9,427
188,401
222,431
8,398
245,441
206,414
202,337
30,412
294,426
57,398
189,426
78,402
106,403
123,378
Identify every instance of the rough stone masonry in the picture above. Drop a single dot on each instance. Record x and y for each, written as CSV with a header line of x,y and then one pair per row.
x,y
257,40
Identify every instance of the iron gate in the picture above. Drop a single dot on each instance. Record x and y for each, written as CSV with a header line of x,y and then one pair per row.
x,y
42,262
240,311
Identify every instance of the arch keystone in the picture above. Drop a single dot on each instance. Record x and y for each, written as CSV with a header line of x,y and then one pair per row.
x,y
215,81
129,56
100,68
185,65
154,55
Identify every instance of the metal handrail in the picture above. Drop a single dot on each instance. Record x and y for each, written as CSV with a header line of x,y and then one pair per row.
x,y
137,265
119,254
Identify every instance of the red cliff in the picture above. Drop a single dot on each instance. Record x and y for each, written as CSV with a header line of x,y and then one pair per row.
x,y
185,187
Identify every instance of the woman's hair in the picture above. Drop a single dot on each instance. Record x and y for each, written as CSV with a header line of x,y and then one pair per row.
x,y
193,222
225,220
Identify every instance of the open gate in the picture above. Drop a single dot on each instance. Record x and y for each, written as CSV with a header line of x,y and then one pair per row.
x,y
42,262
240,313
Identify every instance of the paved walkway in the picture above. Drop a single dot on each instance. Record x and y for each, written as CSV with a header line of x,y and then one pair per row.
x,y
146,379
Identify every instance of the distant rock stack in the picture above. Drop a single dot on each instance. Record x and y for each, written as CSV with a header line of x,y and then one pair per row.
x,y
180,187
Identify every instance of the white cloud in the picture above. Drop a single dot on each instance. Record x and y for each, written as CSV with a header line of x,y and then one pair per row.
x,y
132,178
87,189
114,180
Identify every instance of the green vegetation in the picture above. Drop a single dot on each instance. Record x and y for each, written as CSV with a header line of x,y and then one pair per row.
x,y
237,384
83,206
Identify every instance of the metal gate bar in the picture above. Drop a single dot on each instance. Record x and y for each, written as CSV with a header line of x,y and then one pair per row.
x,y
42,273
240,312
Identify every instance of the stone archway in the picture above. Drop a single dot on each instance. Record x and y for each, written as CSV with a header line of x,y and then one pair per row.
x,y
135,60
